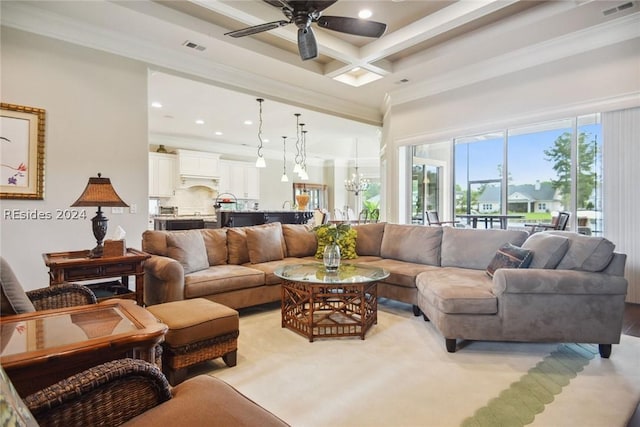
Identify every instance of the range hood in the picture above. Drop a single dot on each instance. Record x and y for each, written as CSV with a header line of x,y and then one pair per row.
x,y
188,181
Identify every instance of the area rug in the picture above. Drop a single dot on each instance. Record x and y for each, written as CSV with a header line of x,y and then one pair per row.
x,y
401,375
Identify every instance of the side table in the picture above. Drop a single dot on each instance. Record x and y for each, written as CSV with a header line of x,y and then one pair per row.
x,y
77,266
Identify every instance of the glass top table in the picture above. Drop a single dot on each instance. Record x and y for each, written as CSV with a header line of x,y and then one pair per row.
x,y
317,303
317,273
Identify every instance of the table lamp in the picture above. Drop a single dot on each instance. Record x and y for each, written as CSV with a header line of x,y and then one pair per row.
x,y
99,192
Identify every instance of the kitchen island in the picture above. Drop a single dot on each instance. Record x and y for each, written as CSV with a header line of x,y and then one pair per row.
x,y
231,218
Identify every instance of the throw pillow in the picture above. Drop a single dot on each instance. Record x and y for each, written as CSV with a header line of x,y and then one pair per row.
x,y
237,246
547,249
299,240
265,243
585,253
187,247
13,299
509,256
215,240
369,238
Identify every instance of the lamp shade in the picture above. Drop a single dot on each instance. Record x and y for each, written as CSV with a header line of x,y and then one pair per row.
x,y
99,192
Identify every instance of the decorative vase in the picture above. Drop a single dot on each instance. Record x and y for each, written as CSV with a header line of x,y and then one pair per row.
x,y
302,200
331,257
161,149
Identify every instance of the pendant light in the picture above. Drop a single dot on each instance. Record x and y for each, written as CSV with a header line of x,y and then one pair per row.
x,y
303,168
260,163
298,158
284,178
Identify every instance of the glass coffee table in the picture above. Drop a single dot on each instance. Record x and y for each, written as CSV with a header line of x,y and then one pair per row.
x,y
317,303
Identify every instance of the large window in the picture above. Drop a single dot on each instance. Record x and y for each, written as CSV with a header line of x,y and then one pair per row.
x,y
533,172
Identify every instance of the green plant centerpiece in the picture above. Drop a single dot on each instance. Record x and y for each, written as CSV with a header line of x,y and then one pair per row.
x,y
341,234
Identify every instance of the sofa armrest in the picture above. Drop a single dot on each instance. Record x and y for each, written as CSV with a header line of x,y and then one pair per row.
x,y
539,281
163,280
107,394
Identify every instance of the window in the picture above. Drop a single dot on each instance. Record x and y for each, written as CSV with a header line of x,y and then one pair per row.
x,y
543,169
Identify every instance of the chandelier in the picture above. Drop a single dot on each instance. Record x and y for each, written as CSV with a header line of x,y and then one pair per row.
x,y
357,183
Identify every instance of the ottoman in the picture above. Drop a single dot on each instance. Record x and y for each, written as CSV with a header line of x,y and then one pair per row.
x,y
199,330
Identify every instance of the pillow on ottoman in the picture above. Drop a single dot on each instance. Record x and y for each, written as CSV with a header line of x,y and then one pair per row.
x,y
187,247
548,249
509,256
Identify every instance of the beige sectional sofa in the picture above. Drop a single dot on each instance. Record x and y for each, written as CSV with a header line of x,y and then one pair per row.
x,y
574,289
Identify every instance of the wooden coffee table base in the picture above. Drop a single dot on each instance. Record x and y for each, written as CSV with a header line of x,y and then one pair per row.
x,y
318,310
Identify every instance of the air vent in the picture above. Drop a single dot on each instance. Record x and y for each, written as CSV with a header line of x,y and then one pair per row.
x,y
192,45
620,8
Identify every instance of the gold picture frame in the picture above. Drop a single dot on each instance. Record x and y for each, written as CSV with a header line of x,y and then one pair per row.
x,y
21,152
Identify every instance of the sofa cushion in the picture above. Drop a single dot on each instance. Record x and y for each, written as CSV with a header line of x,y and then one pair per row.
x,y
265,243
13,299
238,253
401,273
585,253
509,256
547,249
458,290
215,241
187,247
411,243
475,248
221,278
155,242
369,238
299,239
270,267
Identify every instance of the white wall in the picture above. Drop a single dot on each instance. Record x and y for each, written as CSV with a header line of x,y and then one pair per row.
x,y
601,80
96,121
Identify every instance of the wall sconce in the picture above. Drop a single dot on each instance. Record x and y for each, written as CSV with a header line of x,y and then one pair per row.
x,y
99,192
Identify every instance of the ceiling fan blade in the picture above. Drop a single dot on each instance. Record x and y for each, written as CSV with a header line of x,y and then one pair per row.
x,y
309,5
307,45
257,29
278,3
357,27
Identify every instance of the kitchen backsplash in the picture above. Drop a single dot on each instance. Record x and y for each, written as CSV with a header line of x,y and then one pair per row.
x,y
192,201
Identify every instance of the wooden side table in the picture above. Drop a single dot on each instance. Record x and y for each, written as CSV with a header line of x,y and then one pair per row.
x,y
39,348
77,266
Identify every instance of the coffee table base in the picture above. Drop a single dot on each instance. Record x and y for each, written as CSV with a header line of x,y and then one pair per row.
x,y
317,310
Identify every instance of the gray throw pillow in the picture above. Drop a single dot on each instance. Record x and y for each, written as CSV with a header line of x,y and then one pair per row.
x,y
585,253
187,247
547,249
13,299
509,256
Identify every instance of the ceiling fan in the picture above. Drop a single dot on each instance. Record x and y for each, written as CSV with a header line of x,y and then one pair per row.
x,y
303,13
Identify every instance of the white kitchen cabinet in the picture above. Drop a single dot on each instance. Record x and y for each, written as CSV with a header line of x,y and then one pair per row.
x,y
162,174
241,179
198,164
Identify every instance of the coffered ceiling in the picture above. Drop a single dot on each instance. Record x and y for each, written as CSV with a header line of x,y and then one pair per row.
x,y
430,46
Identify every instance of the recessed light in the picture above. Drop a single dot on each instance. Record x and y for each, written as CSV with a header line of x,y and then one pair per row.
x,y
265,140
248,122
218,133
364,14
199,122
156,105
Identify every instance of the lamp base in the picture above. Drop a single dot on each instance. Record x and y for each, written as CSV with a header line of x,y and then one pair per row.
x,y
97,252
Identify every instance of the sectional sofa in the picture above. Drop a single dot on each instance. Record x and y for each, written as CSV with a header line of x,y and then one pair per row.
x,y
470,283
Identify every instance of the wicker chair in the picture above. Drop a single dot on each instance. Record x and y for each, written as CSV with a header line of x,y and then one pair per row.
x,y
14,300
117,392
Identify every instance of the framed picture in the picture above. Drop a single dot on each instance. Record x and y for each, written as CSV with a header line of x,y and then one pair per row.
x,y
21,152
